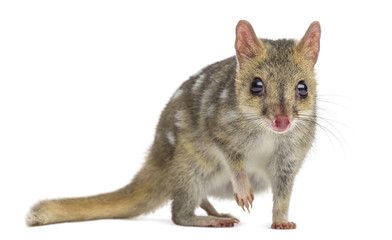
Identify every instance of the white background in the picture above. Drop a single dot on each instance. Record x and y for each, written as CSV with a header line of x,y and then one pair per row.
x,y
82,84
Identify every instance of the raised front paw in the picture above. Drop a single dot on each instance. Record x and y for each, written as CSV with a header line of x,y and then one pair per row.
x,y
244,198
283,225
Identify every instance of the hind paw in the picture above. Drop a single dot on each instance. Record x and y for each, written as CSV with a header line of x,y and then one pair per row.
x,y
203,221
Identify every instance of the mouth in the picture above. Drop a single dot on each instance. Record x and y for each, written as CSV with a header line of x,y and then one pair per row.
x,y
281,124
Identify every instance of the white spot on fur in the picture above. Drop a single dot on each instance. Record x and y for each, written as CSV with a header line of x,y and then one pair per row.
x,y
171,138
178,93
210,110
198,82
178,116
224,94
204,100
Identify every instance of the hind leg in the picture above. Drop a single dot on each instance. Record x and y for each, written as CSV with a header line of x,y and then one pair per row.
x,y
183,213
211,211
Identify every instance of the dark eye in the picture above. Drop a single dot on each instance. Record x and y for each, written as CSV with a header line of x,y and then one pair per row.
x,y
257,87
302,89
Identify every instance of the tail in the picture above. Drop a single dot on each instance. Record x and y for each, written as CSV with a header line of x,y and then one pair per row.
x,y
144,194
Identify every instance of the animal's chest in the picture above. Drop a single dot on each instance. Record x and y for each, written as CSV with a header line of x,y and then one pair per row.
x,y
259,155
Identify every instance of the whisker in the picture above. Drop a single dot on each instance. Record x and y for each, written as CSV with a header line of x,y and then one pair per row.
x,y
331,102
328,120
326,130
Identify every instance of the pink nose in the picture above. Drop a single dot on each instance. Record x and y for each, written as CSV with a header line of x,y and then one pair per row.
x,y
281,124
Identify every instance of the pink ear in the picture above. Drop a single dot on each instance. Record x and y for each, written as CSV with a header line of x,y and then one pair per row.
x,y
310,43
247,45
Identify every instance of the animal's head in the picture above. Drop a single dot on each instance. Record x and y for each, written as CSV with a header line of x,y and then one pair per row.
x,y
275,79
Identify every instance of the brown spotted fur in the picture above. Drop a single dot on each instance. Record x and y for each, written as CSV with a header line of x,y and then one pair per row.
x,y
214,138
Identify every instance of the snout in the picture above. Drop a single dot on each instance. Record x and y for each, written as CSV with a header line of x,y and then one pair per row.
x,y
281,124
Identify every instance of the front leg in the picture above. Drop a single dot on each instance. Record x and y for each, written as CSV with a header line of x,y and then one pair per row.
x,y
282,185
242,189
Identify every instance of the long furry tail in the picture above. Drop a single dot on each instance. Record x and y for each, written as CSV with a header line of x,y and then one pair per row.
x,y
144,194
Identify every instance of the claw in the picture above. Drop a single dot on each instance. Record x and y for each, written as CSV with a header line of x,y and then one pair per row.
x,y
250,201
246,202
236,199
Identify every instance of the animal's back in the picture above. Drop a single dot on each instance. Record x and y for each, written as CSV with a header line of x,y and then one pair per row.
x,y
188,114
